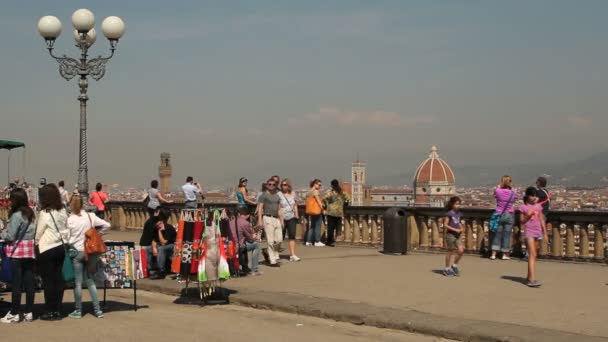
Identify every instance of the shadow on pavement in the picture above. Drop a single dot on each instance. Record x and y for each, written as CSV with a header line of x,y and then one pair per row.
x,y
192,295
516,279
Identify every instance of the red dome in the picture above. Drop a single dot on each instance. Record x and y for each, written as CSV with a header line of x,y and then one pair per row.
x,y
434,170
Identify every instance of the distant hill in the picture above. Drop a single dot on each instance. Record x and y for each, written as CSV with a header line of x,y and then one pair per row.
x,y
592,171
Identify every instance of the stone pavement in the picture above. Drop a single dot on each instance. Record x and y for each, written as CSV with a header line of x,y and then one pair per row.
x,y
488,302
158,319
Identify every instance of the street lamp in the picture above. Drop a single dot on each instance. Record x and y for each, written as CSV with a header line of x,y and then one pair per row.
x,y
85,35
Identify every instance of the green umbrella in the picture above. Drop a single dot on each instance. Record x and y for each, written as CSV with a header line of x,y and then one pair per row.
x,y
9,145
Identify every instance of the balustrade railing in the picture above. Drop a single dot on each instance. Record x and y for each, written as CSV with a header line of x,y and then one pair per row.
x,y
579,236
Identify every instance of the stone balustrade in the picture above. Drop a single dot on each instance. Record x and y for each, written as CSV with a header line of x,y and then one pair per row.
x,y
579,236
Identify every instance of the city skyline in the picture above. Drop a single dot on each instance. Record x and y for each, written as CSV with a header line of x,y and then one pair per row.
x,y
299,89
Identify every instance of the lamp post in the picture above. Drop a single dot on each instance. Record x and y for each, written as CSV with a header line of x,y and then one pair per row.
x,y
85,35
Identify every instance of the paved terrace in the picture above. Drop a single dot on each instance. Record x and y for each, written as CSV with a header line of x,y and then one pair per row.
x,y
363,286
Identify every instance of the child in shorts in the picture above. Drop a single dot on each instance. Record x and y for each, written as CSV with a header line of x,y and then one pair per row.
x,y
453,229
533,220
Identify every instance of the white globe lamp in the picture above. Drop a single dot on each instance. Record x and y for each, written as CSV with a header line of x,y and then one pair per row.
x,y
113,28
83,20
49,27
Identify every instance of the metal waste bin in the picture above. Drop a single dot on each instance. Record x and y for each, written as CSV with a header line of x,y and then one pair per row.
x,y
395,231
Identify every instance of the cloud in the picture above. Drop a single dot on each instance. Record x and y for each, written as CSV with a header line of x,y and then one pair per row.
x,y
340,117
579,121
220,132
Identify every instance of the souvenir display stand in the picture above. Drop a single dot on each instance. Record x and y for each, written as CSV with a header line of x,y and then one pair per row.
x,y
200,253
120,267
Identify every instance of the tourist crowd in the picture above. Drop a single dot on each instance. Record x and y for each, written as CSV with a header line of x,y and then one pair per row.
x,y
533,213
50,240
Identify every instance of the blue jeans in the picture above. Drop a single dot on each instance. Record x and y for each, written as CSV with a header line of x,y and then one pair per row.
x,y
161,259
255,255
314,232
81,275
502,236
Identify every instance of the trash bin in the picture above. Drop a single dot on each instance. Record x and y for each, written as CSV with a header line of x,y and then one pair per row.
x,y
395,231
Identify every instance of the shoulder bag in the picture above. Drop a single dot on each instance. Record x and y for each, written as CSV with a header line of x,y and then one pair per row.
x,y
496,217
312,206
93,242
67,270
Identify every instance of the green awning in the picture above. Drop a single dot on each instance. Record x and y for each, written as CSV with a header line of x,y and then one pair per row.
x,y
9,145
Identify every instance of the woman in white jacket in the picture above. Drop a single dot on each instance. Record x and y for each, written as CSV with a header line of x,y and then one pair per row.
x,y
78,223
51,233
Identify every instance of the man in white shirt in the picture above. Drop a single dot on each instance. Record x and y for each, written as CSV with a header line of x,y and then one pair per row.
x,y
65,198
191,191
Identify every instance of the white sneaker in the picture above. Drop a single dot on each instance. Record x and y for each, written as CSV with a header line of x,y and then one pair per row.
x,y
308,244
28,317
294,258
504,257
319,244
10,318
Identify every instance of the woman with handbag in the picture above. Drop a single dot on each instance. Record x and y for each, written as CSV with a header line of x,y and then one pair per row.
x,y
79,224
290,216
51,234
20,254
335,201
315,212
503,218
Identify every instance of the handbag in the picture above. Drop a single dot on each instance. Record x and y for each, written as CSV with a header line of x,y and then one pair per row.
x,y
496,217
67,270
312,207
93,243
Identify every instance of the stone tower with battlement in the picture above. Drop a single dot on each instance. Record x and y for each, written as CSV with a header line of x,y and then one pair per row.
x,y
164,172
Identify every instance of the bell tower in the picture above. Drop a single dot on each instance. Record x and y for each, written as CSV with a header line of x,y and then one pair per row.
x,y
164,172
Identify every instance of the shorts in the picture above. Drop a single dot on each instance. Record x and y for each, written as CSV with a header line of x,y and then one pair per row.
x,y
290,227
453,241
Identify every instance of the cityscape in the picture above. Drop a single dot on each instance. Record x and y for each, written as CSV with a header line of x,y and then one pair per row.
x,y
440,183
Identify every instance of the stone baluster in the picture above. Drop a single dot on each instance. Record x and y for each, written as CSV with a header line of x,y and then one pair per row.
x,y
424,232
175,216
598,248
481,234
517,248
365,229
356,229
381,234
323,226
348,229
570,251
412,230
435,234
544,243
122,218
556,241
374,227
301,228
469,243
584,240
127,218
140,218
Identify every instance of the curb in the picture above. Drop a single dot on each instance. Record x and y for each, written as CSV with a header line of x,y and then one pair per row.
x,y
386,317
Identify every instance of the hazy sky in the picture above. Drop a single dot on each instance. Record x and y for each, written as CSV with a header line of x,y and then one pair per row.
x,y
298,88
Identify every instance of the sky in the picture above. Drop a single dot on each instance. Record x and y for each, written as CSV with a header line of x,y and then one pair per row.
x,y
301,88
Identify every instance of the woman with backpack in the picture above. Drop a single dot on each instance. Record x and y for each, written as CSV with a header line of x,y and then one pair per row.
x,y
505,212
84,266
335,201
290,216
21,232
